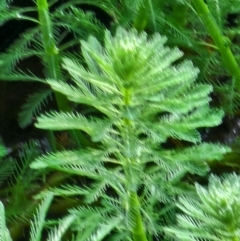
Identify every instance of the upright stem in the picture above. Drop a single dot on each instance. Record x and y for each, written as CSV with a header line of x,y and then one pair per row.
x,y
219,39
138,230
52,61
51,57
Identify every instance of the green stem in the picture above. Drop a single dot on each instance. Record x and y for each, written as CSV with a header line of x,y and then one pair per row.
x,y
219,39
52,61
138,230
51,57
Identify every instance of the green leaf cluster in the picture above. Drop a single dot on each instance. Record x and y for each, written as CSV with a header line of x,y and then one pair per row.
x,y
213,214
142,99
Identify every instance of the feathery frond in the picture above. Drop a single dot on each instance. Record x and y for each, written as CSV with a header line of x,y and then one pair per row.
x,y
32,107
19,181
38,221
19,50
4,233
7,168
78,22
57,233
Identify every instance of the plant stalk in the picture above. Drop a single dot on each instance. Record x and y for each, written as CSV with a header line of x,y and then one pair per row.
x,y
52,61
51,57
138,230
221,41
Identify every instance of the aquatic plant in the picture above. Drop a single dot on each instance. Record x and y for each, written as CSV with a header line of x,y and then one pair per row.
x,y
143,100
139,142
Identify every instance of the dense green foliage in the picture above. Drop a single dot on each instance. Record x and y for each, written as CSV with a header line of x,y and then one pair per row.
x,y
143,100
214,214
132,111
